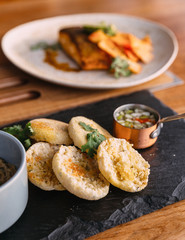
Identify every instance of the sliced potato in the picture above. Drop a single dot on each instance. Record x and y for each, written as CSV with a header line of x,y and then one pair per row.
x,y
131,55
109,47
114,46
121,39
134,66
142,48
97,36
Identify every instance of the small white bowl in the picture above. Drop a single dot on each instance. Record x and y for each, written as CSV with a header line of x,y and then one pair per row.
x,y
14,192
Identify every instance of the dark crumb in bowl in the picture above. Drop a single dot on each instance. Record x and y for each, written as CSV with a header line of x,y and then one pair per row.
x,y
7,170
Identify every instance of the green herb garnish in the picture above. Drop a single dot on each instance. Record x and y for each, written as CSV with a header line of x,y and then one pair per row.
x,y
22,134
44,45
86,127
120,67
94,138
108,29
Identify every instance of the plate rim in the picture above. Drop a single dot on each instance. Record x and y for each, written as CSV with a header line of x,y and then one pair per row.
x,y
84,86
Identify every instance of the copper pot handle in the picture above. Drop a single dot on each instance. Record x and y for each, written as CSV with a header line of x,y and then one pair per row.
x,y
172,118
156,132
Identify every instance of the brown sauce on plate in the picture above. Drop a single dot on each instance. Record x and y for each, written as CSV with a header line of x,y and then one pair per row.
x,y
51,58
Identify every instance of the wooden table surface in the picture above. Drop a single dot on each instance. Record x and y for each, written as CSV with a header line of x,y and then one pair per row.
x,y
19,91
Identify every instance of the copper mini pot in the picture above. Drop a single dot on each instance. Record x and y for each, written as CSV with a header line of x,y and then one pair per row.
x,y
140,138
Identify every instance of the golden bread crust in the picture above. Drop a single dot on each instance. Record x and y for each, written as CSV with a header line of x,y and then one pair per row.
x,y
51,131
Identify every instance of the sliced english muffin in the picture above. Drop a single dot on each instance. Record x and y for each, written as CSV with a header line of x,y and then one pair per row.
x,y
79,174
51,131
122,165
39,165
79,134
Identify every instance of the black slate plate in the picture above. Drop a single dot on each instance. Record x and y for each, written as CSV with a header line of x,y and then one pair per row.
x,y
79,218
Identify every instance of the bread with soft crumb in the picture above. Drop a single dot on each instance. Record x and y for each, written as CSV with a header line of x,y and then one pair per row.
x,y
79,134
51,131
39,165
122,165
79,174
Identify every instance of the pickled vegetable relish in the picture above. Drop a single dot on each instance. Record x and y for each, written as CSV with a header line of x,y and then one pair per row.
x,y
135,118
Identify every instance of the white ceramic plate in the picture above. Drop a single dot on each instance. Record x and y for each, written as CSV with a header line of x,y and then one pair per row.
x,y
16,46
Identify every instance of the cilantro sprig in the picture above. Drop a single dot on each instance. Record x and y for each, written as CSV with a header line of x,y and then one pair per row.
x,y
108,29
120,67
94,138
22,134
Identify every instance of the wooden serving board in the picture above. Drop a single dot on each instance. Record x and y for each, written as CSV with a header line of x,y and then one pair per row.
x,y
23,96
161,220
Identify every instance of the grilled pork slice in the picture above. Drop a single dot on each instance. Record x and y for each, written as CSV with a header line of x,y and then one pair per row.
x,y
85,53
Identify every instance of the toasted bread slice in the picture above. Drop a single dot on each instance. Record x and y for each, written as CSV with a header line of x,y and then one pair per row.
x,y
122,165
85,53
79,174
51,131
39,164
